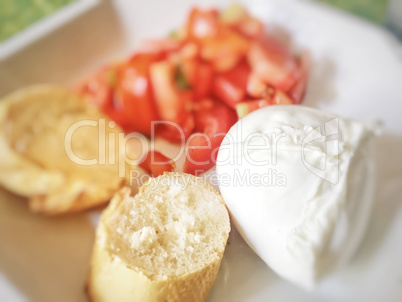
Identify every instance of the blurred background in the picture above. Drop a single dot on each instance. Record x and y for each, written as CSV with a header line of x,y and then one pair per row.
x,y
16,15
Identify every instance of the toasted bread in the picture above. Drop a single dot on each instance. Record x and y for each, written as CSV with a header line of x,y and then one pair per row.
x,y
164,244
35,160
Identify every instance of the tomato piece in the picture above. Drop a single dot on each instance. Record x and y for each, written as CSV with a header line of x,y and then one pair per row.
x,y
134,91
256,87
298,91
273,62
225,51
211,125
155,163
99,90
227,91
167,97
189,69
199,76
250,27
240,20
231,86
202,24
220,45
205,103
124,93
189,51
281,98
203,80
244,108
177,133
225,63
119,116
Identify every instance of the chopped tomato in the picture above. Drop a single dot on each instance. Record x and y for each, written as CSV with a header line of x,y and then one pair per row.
x,y
278,98
135,92
193,80
189,51
170,105
189,69
250,27
203,81
100,90
227,62
225,51
281,98
273,63
298,91
118,115
256,87
244,108
239,19
202,24
155,164
187,99
211,125
199,76
228,42
177,133
230,87
180,131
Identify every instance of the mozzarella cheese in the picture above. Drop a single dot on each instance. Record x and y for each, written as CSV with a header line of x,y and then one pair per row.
x,y
298,183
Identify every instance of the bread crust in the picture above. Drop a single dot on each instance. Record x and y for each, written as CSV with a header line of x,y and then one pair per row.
x,y
64,187
192,287
113,279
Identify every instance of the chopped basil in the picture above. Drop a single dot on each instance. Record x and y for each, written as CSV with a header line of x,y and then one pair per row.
x,y
173,34
181,80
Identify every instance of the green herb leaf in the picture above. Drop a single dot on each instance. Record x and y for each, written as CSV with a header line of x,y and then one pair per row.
x,y
181,80
173,34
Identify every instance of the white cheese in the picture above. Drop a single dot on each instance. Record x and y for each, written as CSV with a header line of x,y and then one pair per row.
x,y
298,183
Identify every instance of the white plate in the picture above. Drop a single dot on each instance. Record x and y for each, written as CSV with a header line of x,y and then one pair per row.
x,y
357,72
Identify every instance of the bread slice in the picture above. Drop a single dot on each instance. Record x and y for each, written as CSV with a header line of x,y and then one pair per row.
x,y
164,244
33,157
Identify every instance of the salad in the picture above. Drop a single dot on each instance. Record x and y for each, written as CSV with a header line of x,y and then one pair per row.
x,y
197,82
